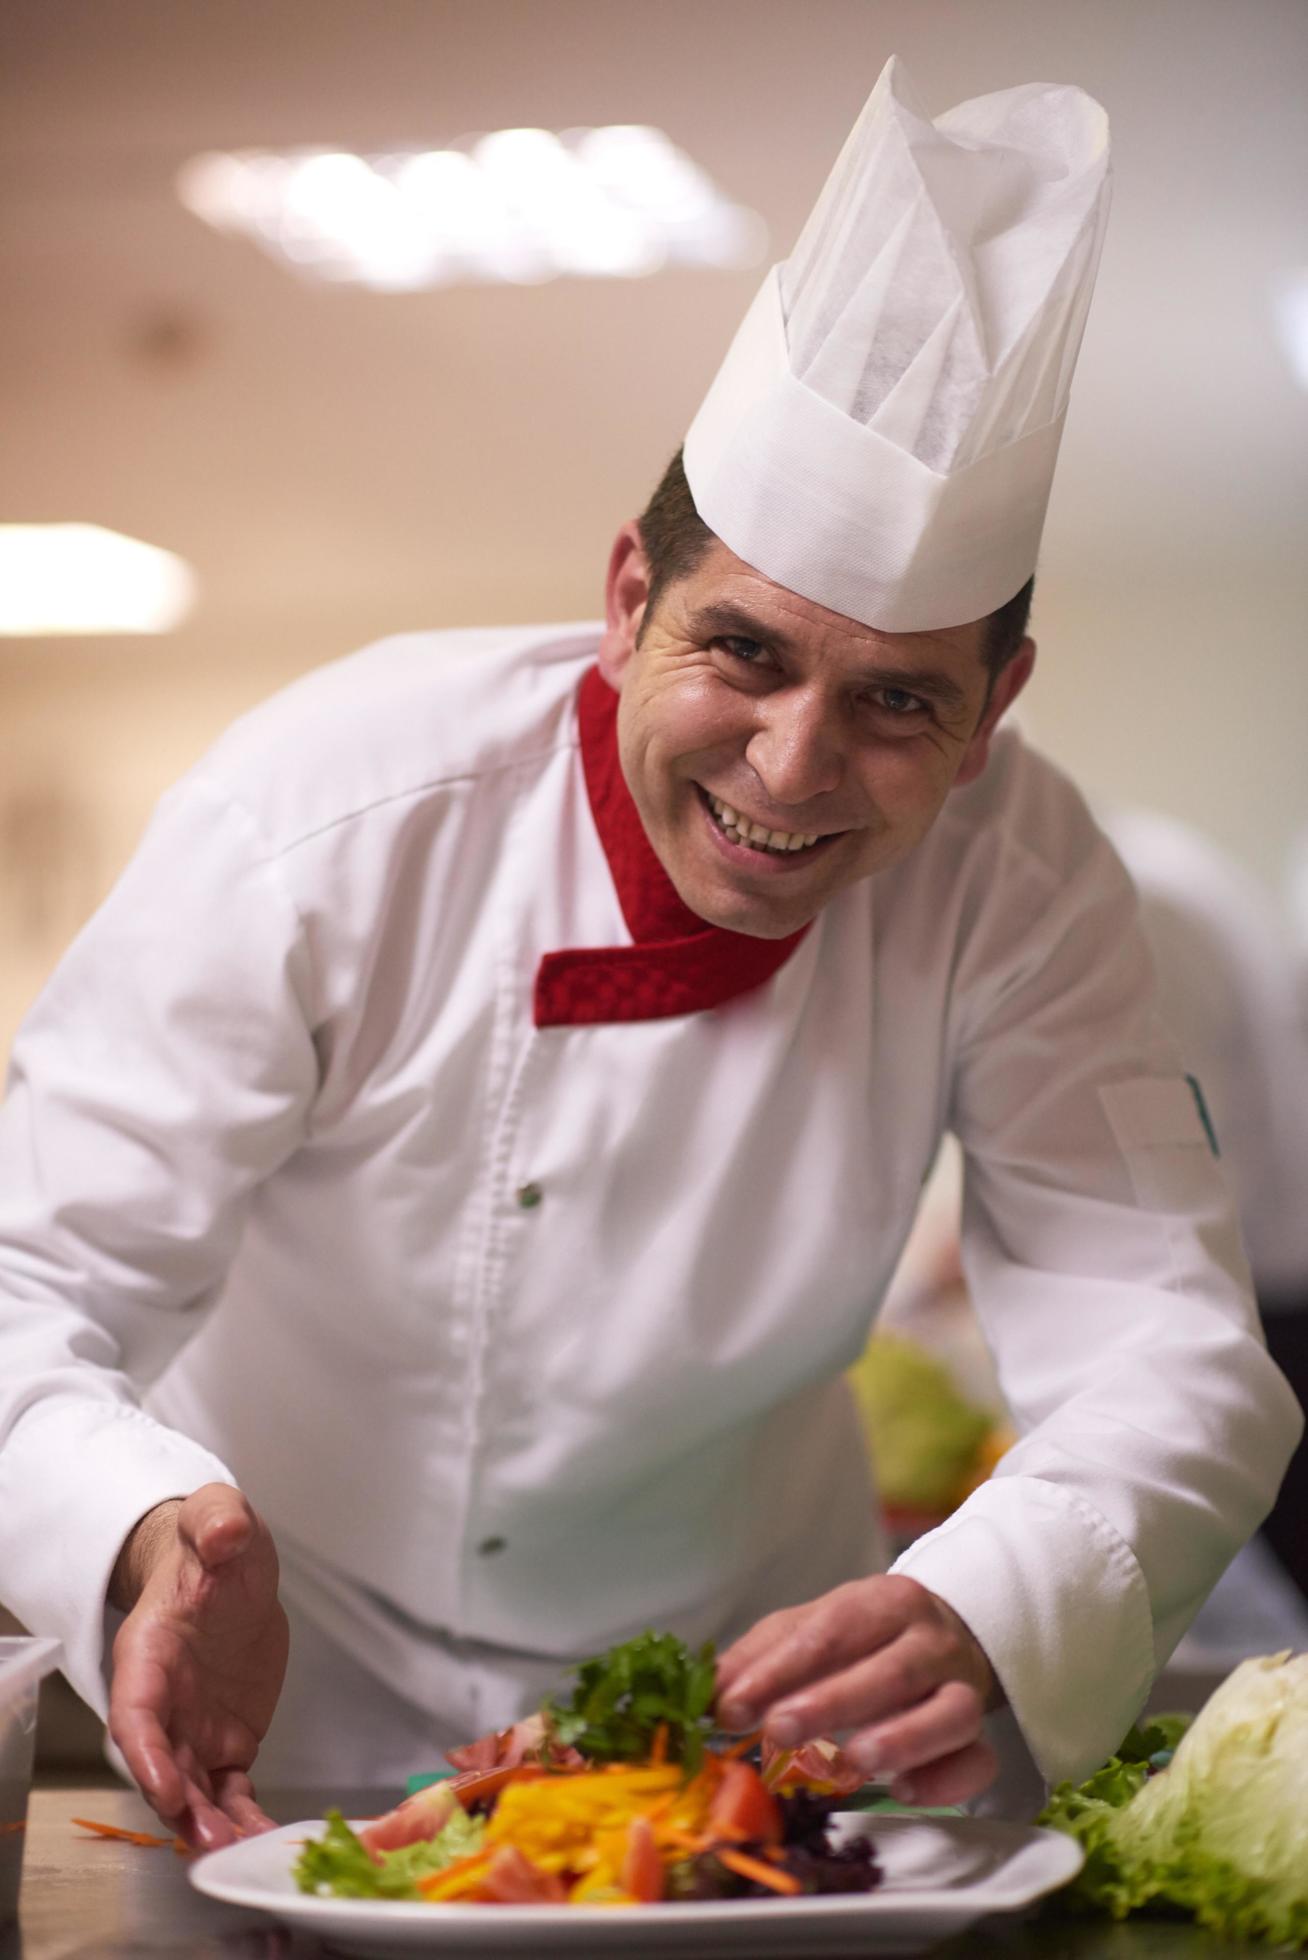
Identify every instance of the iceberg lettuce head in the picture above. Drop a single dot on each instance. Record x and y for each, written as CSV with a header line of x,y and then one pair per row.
x,y
1222,1831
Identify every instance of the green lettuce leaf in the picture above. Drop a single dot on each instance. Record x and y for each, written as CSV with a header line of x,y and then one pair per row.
x,y
337,1865
1222,1832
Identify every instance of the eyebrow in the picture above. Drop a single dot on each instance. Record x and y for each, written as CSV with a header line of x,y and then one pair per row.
x,y
710,622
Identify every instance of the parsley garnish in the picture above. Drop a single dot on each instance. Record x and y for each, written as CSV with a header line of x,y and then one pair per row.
x,y
623,1697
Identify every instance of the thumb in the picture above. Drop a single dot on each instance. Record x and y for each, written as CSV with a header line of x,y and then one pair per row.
x,y
217,1523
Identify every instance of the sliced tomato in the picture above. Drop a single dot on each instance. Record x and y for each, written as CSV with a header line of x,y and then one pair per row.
x,y
419,1818
511,1879
642,1868
502,1747
528,1741
743,1808
819,1765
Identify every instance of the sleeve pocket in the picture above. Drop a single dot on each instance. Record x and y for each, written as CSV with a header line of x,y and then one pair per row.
x,y
1166,1138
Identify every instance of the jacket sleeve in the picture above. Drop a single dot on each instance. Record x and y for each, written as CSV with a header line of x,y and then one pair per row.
x,y
1101,1249
165,1071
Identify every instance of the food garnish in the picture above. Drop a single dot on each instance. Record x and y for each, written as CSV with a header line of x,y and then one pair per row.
x,y
624,1698
621,1795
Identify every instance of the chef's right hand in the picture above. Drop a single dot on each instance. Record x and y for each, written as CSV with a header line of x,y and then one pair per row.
x,y
198,1662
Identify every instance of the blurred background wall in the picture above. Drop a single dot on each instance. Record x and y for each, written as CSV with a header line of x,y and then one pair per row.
x,y
337,464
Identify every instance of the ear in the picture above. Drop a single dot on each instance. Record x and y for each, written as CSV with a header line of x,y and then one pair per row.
x,y
1005,691
626,594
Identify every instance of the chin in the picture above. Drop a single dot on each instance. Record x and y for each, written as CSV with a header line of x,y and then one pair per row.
x,y
747,916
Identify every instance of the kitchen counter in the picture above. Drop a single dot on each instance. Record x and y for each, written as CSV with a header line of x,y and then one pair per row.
x,y
87,1898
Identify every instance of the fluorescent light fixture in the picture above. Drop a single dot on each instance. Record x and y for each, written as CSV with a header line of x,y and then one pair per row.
x,y
80,578
1290,311
519,205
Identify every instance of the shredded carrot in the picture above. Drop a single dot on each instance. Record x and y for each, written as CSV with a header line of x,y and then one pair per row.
x,y
740,1748
19,1825
659,1747
147,1838
746,1867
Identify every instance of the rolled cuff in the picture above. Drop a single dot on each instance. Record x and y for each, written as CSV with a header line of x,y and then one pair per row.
x,y
1060,1605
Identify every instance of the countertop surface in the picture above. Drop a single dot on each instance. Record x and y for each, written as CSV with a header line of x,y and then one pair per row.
x,y
88,1898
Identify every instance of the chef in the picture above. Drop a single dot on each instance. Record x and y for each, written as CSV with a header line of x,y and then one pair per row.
x,y
463,1154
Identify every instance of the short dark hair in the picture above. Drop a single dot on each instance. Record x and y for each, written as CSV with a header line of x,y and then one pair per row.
x,y
676,537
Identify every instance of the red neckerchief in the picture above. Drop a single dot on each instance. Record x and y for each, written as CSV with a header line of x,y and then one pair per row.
x,y
678,964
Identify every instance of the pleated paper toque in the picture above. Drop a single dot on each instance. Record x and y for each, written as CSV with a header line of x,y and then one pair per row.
x,y
882,434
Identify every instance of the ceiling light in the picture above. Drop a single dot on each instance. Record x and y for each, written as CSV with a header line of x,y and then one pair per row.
x,y
80,578
518,205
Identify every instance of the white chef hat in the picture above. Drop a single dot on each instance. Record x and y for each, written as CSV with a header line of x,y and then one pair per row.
x,y
881,437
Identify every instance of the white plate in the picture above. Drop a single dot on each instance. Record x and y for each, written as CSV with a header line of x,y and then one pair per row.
x,y
941,1873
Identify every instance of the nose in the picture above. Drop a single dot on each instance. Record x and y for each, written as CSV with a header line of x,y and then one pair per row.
x,y
795,749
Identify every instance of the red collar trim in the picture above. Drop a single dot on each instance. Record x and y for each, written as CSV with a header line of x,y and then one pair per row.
x,y
678,964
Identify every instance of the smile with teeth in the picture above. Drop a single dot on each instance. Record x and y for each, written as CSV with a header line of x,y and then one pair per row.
x,y
758,838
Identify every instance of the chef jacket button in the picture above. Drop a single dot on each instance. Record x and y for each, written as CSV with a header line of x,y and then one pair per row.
x,y
489,1546
529,1196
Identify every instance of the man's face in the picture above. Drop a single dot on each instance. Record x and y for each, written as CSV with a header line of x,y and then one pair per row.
x,y
746,709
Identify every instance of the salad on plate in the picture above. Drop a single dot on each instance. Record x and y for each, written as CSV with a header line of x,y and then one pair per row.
x,y
623,1794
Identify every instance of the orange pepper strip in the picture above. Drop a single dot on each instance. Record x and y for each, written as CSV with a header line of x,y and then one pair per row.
x,y
441,1884
147,1838
683,1840
745,1867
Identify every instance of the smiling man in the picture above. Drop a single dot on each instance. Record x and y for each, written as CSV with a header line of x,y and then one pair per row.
x,y
777,751
442,1189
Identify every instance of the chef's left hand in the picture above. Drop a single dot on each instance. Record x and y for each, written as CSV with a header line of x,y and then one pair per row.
x,y
885,1660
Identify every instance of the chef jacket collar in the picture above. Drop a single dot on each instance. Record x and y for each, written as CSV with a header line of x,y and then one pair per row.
x,y
677,964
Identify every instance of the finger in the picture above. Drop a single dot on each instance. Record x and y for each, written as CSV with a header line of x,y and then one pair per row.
x,y
741,1656
944,1723
201,1823
898,1676
234,1795
762,1638
201,1820
177,1798
953,1779
194,1811
842,1627
135,1726
216,1522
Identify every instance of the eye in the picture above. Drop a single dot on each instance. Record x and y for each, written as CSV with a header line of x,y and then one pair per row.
x,y
898,702
743,662
739,647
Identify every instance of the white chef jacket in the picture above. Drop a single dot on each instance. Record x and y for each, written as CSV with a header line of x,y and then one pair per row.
x,y
531,1337
1228,989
